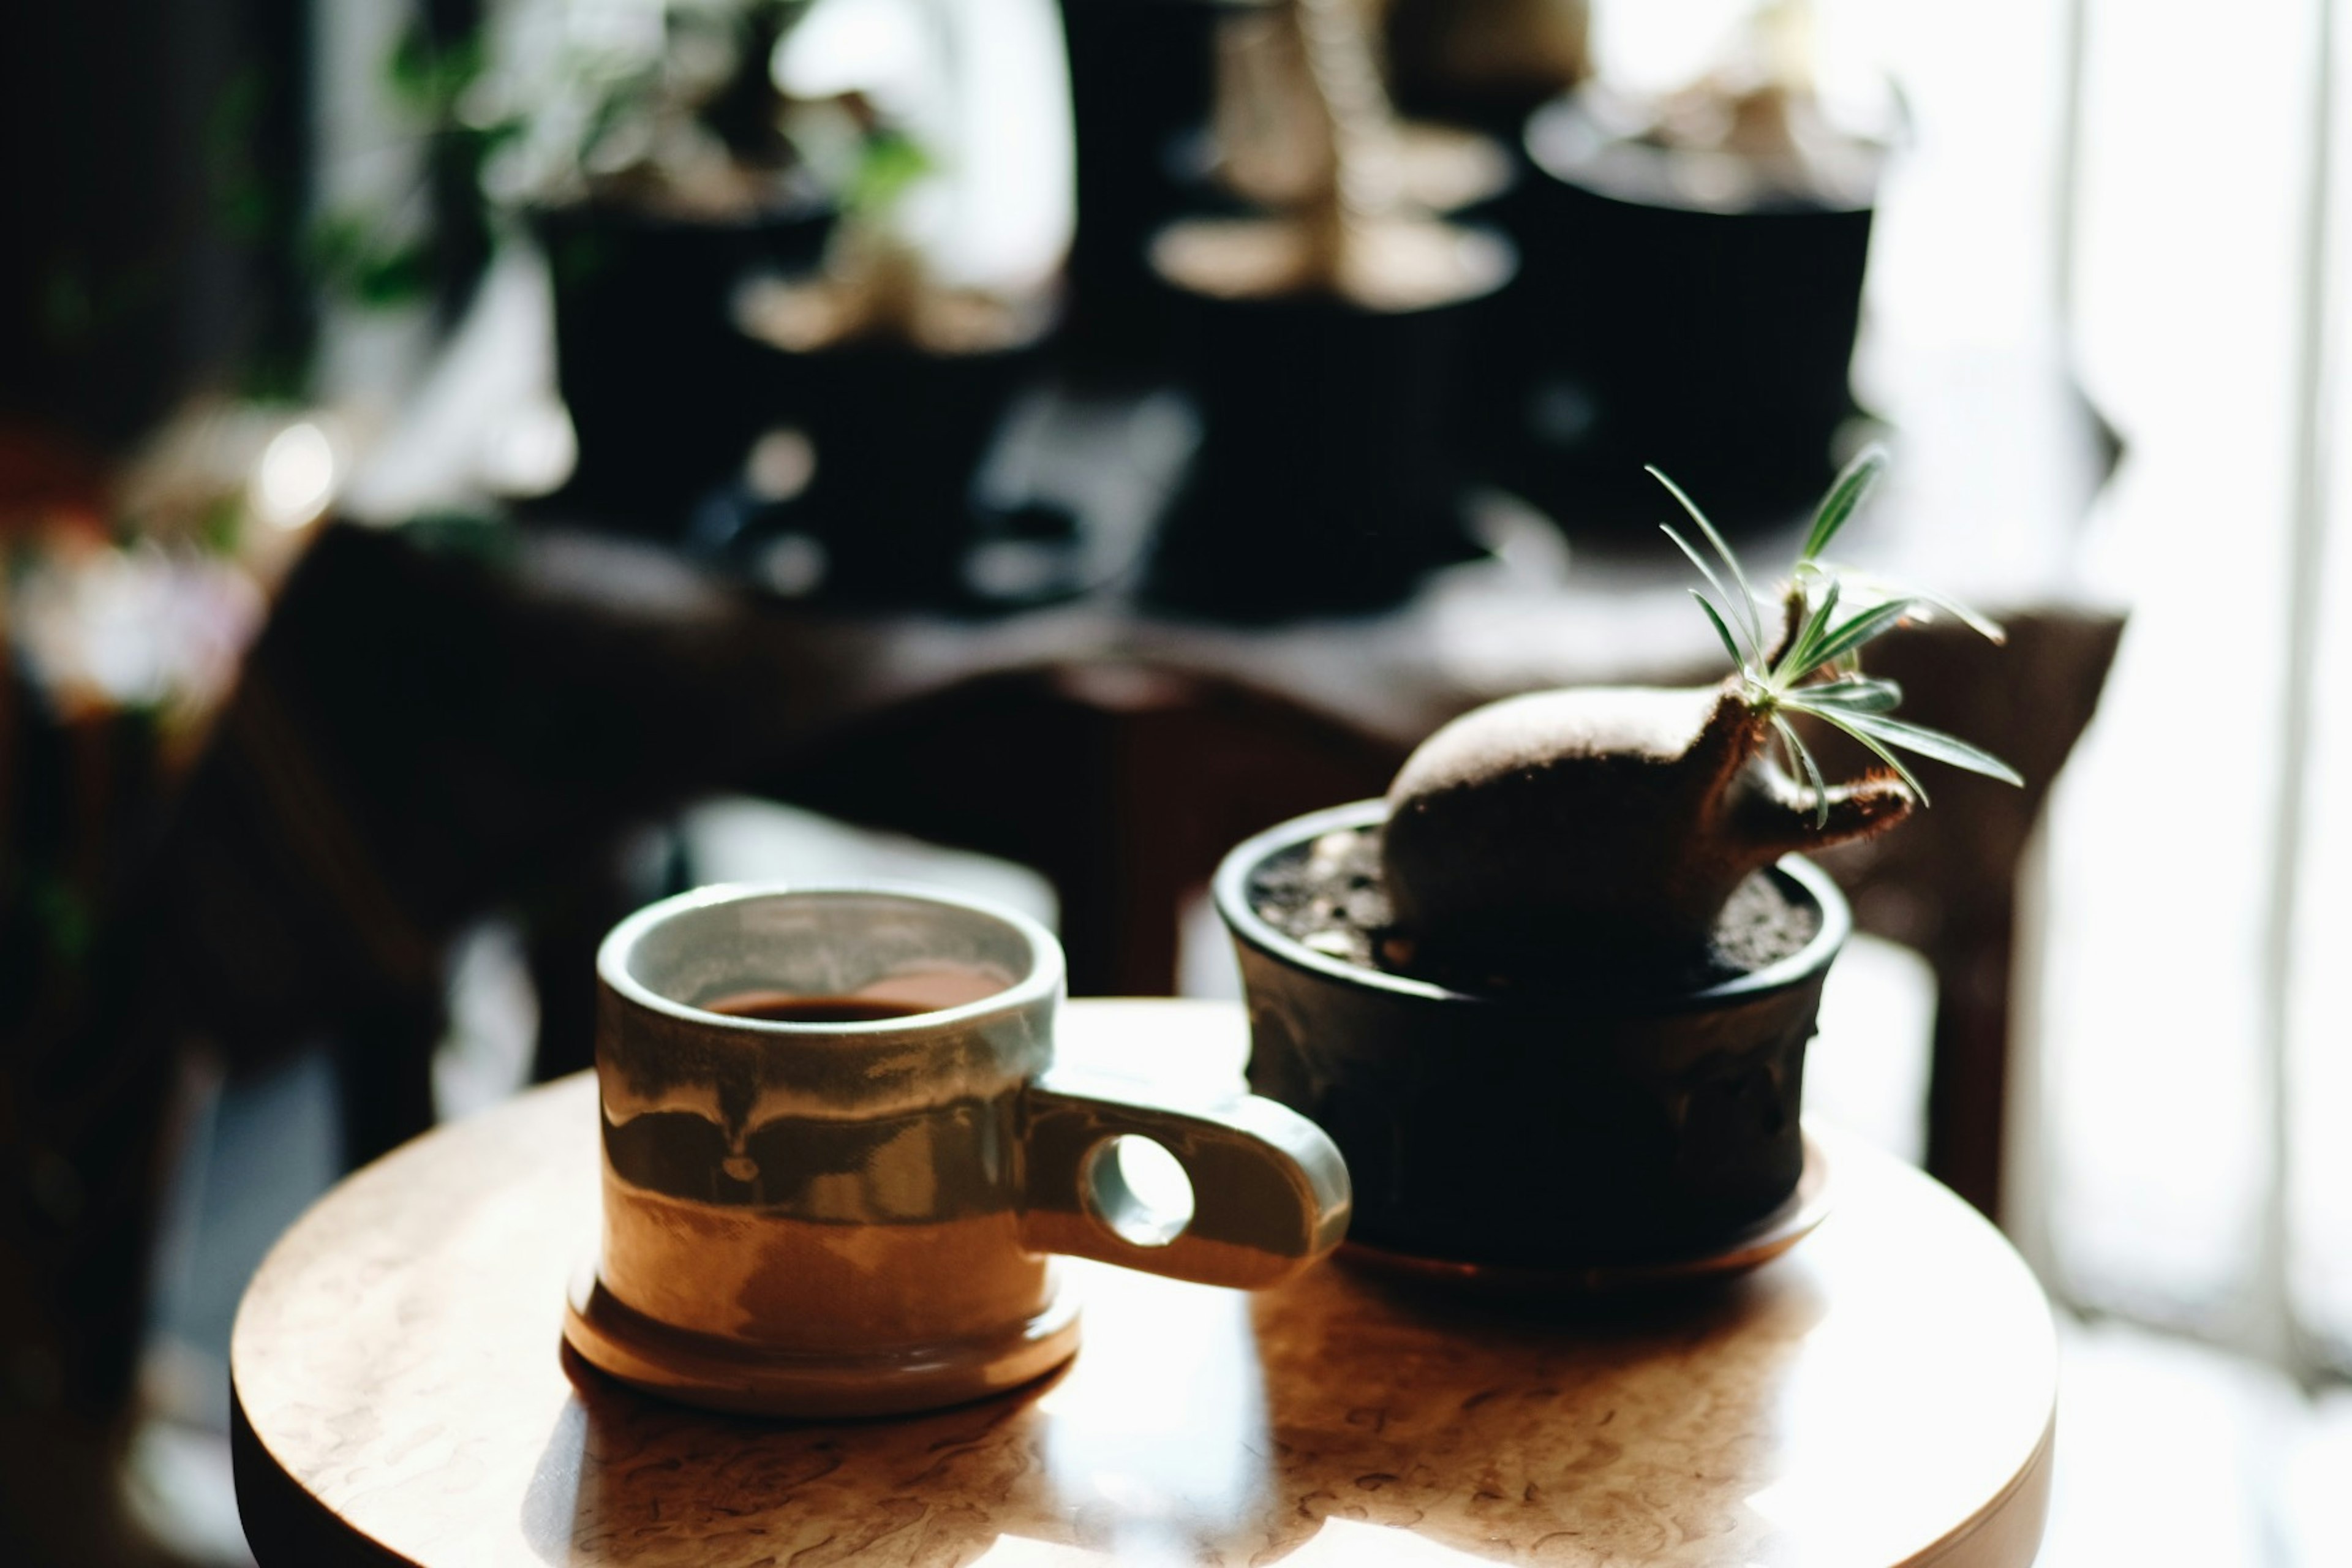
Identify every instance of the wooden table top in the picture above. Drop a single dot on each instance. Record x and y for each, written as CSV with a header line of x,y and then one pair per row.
x,y
1883,1395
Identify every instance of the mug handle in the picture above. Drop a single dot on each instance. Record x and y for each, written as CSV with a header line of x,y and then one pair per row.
x,y
1270,1192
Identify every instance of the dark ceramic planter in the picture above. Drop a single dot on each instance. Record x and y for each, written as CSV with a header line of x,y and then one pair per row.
x,y
1140,79
1323,483
898,436
1547,1134
665,394
1713,342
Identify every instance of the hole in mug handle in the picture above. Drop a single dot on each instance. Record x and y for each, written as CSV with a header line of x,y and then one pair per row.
x,y
1270,1191
1136,1190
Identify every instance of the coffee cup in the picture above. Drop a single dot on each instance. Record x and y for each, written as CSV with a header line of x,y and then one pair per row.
x,y
839,1157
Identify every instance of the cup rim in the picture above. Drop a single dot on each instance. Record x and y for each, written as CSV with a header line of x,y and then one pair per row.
x,y
1043,982
1230,890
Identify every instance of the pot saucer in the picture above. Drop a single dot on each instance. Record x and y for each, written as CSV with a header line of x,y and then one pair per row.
x,y
1750,1247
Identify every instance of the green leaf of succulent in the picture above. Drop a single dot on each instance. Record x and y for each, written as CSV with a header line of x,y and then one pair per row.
x,y
1934,743
1983,626
1747,597
1812,769
1850,723
1855,694
1885,588
1848,638
1713,582
1845,494
1825,651
1799,661
1716,618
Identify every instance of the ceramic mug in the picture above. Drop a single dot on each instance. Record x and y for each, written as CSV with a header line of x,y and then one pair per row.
x,y
854,1215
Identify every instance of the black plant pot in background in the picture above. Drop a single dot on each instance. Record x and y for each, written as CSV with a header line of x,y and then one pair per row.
x,y
1551,1133
896,437
1140,78
1324,482
1646,329
666,394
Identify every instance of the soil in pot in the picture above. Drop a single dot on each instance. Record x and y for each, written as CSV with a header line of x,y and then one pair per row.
x,y
1327,895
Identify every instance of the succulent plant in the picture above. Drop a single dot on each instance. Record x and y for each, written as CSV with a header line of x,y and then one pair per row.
x,y
1624,817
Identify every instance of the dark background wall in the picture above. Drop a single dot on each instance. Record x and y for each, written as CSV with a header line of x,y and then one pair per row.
x,y
153,160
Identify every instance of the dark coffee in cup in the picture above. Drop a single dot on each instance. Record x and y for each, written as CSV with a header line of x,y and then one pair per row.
x,y
903,993
783,1007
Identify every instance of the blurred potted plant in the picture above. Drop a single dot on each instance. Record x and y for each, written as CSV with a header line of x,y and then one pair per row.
x,y
1691,290
946,128
647,146
1551,996
1319,339
889,359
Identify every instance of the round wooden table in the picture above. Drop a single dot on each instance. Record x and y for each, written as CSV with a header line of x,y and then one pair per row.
x,y
1882,1395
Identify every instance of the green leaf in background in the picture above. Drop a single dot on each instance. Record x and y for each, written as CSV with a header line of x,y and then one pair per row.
x,y
349,258
890,161
427,74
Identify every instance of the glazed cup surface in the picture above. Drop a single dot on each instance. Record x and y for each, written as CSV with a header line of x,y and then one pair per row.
x,y
853,1203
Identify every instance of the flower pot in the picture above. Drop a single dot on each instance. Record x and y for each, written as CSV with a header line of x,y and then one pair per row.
x,y
1655,320
1139,82
1573,1129
665,392
1323,483
897,436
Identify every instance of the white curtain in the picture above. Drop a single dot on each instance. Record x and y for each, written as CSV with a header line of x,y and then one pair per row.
x,y
2156,195
2196,1064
